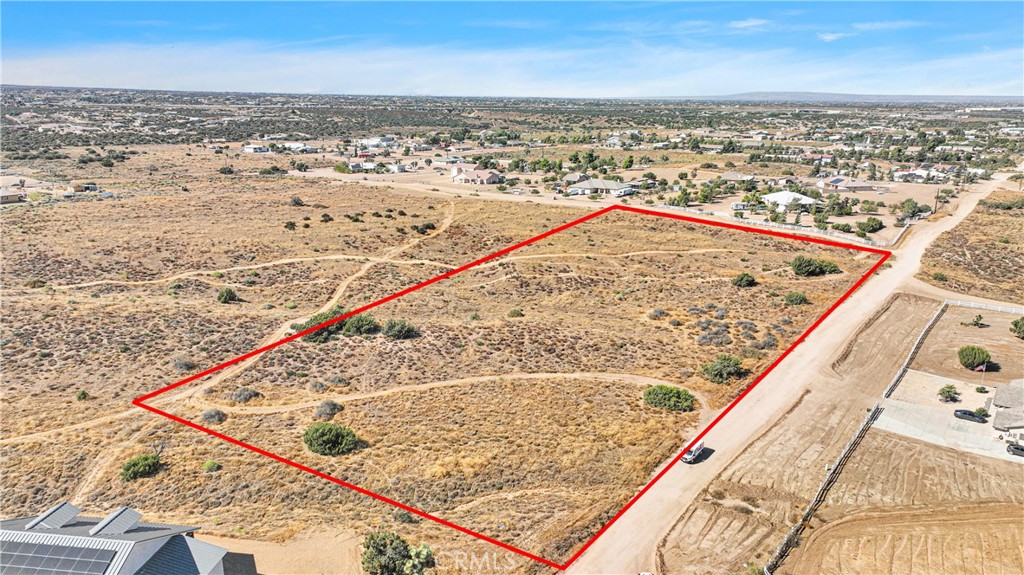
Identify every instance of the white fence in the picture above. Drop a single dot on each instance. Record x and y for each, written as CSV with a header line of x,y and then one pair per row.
x,y
971,304
801,229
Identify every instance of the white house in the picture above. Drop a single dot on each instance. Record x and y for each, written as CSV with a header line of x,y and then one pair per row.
x,y
461,167
786,198
477,177
597,186
255,149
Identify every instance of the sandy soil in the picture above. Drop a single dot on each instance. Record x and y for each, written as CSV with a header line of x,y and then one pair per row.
x,y
905,506
938,354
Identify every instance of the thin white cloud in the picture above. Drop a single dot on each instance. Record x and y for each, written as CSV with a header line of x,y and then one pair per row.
x,y
568,72
887,25
511,24
748,23
833,36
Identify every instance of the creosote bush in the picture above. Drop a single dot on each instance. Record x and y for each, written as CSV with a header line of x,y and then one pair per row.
x,y
805,266
142,466
724,368
515,313
399,329
212,466
227,295
668,397
327,409
329,439
795,298
744,280
213,416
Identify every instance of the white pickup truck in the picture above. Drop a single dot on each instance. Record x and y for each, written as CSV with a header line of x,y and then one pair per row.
x,y
693,453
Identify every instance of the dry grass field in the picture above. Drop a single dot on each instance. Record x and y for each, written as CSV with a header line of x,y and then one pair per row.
x,y
530,429
983,255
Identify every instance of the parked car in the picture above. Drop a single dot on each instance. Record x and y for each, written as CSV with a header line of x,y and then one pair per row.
x,y
1015,449
968,415
694,452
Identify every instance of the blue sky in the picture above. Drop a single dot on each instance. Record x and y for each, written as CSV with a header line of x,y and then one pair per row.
x,y
576,49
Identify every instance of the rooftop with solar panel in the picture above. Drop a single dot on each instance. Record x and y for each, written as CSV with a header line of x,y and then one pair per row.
x,y
59,541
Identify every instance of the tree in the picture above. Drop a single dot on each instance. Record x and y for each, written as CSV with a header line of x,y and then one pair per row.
x,y
1017,327
973,357
949,394
342,168
724,368
669,397
385,553
628,162
227,295
870,225
329,439
744,280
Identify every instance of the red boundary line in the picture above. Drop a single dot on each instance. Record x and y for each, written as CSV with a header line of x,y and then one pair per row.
x,y
140,401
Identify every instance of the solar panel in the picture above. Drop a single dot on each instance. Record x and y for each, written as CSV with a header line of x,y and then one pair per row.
x,y
46,559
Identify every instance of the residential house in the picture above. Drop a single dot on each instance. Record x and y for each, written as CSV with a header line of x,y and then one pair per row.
x,y
396,168
575,178
11,197
255,149
844,184
60,541
477,177
465,167
786,198
597,186
1008,402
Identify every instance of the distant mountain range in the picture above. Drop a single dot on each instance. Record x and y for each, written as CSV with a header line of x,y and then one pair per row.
x,y
827,98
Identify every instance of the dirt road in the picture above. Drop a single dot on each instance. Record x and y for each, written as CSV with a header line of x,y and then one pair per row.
x,y
629,545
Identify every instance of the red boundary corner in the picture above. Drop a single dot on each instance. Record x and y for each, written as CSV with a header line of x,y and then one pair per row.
x,y
140,401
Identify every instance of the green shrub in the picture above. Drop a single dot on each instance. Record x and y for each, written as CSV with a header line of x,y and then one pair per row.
x,y
386,553
744,280
226,170
142,466
1017,327
795,298
847,228
227,295
213,416
399,329
515,313
939,277
212,466
329,439
981,412
361,324
668,397
82,395
972,356
805,266
981,389
724,368
870,225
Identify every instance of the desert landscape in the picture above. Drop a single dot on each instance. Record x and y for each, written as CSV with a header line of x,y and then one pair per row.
x,y
775,333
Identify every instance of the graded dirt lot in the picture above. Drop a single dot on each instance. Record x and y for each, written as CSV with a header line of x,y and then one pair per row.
x,y
938,354
983,255
904,506
742,514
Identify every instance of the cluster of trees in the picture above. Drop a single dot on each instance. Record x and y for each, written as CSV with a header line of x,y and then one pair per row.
x,y
809,267
359,324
